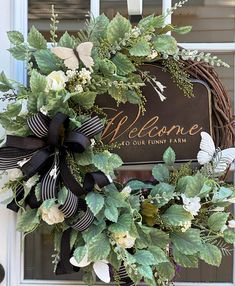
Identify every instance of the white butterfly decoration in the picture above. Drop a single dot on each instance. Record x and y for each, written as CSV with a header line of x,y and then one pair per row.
x,y
71,57
220,159
100,267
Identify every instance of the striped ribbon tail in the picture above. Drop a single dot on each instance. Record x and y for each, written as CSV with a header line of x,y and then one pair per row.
x,y
124,278
70,206
91,127
39,124
11,157
86,220
49,183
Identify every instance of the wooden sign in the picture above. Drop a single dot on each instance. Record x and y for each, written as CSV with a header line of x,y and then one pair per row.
x,y
175,122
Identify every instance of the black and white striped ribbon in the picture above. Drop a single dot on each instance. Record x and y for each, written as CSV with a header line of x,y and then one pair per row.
x,y
91,127
11,157
83,223
70,206
124,278
49,182
39,124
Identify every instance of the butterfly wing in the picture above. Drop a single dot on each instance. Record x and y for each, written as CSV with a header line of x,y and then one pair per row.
x,y
72,63
223,159
102,271
63,53
207,147
84,52
66,54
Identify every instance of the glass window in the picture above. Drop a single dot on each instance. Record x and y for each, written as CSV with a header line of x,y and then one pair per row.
x,y
71,14
212,21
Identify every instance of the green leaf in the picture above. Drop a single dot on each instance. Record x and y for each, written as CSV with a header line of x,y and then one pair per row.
x,y
93,230
159,238
114,261
95,202
118,28
67,41
185,260
158,254
188,242
4,80
36,39
107,67
123,64
176,215
211,254
100,28
140,49
183,30
107,162
84,158
145,271
15,37
85,99
222,194
164,191
123,224
98,247
191,185
138,185
111,213
132,96
229,236
166,270
217,220
169,156
37,82
62,195
144,257
47,61
13,110
28,220
19,52
79,253
113,197
161,173
152,22
165,44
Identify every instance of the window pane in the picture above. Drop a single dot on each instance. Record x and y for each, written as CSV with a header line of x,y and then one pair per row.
x,y
212,21
38,258
111,7
72,15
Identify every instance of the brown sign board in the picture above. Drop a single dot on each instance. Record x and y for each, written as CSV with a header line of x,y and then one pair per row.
x,y
175,122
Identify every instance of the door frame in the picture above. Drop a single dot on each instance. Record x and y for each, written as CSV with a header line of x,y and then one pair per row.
x,y
14,241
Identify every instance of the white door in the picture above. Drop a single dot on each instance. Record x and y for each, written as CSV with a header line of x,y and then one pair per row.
x,y
214,30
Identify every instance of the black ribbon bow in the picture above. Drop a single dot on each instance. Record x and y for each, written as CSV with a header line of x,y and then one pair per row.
x,y
46,153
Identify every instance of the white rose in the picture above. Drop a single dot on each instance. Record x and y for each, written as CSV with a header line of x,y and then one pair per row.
x,y
56,81
124,239
14,174
231,223
52,215
126,191
191,205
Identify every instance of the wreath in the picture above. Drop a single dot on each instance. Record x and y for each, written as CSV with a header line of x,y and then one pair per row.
x,y
60,173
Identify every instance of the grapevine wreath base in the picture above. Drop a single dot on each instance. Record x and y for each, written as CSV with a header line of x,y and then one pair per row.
x,y
61,174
